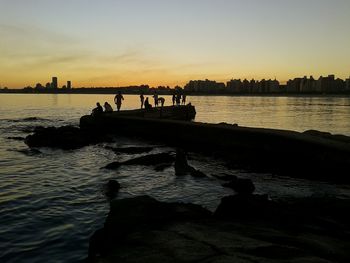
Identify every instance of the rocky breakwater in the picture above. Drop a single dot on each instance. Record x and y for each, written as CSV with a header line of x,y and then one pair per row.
x,y
311,155
244,228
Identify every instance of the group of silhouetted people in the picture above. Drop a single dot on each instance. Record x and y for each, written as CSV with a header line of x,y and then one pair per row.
x,y
176,98
158,101
108,108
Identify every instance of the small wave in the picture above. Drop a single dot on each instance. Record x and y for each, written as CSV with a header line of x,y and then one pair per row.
x,y
28,151
28,119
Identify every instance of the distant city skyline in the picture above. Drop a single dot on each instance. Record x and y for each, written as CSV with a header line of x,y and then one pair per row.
x,y
168,43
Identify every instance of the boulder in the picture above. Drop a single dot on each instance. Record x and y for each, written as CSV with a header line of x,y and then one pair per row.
x,y
64,137
112,188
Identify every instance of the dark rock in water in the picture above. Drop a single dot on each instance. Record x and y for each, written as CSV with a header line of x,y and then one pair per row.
x,y
225,176
151,159
65,137
112,188
196,173
241,186
130,150
16,138
181,165
183,168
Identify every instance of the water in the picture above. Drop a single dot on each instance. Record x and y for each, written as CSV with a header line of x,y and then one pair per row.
x,y
51,201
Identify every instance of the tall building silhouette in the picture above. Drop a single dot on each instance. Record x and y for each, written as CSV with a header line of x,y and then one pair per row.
x,y
69,84
54,83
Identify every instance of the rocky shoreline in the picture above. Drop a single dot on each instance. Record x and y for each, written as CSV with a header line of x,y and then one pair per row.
x,y
244,228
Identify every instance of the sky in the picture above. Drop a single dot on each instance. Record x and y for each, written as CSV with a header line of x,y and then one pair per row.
x,y
169,42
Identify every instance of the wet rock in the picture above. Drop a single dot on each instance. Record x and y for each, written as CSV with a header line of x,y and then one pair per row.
x,y
241,186
183,168
65,137
112,188
130,150
196,173
151,159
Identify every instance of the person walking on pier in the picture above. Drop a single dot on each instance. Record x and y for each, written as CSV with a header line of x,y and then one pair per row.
x,y
118,100
142,99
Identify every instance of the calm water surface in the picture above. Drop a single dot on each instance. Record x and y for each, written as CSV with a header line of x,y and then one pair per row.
x,y
51,201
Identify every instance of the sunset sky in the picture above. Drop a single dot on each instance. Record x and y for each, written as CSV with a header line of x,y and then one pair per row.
x,y
169,42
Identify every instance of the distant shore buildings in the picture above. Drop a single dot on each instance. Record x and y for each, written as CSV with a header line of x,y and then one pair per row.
x,y
300,85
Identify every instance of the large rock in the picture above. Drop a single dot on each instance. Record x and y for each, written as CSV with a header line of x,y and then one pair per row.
x,y
112,188
144,230
65,137
137,214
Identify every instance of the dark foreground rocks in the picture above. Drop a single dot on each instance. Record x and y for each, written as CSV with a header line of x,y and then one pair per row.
x,y
246,228
65,137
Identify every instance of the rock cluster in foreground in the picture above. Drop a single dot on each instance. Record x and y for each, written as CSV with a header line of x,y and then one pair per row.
x,y
244,228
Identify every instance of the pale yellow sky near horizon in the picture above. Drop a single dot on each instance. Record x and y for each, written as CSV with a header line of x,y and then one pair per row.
x,y
120,43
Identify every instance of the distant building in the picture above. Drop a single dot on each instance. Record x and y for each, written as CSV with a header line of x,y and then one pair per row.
x,y
38,86
330,84
48,85
69,84
234,86
293,85
347,84
54,84
205,86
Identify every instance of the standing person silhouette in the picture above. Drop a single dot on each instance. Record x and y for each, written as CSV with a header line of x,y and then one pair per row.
x,y
184,99
173,98
155,96
142,99
118,100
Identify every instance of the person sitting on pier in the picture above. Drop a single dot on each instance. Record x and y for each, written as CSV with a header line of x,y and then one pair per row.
x,y
98,110
147,104
118,100
161,100
108,107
